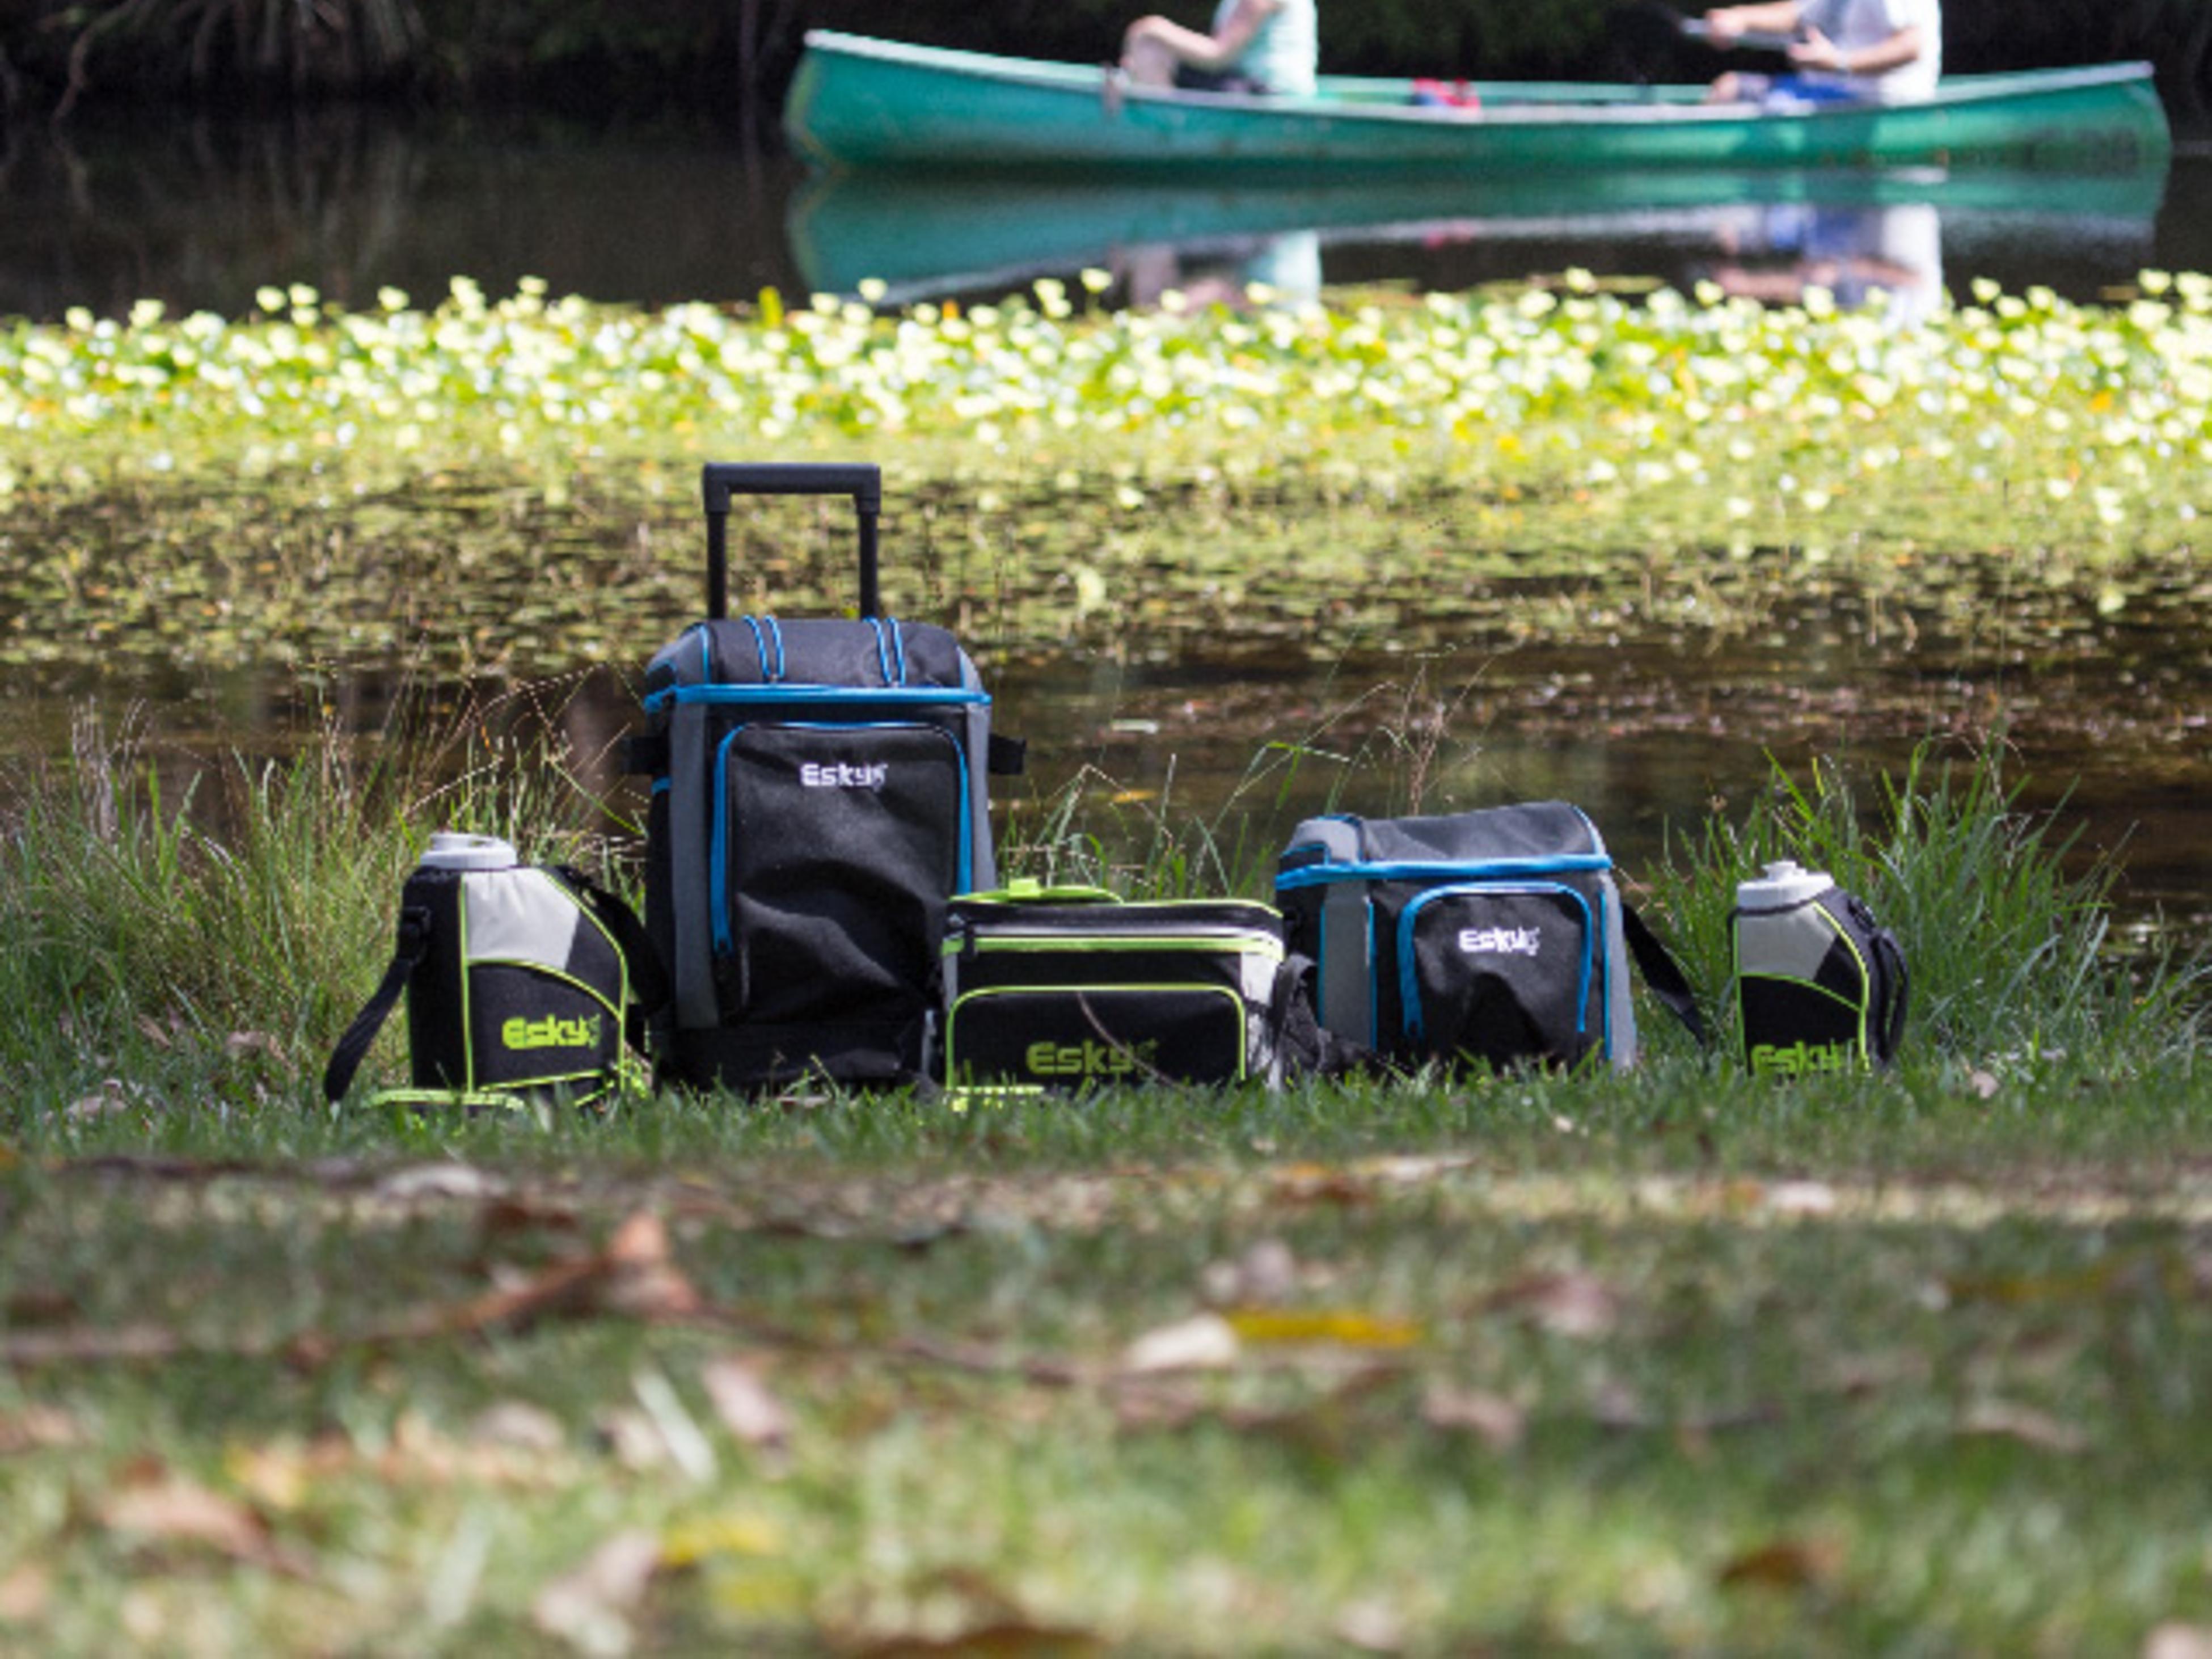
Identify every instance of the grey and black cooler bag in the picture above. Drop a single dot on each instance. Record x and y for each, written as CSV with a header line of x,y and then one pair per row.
x,y
1496,937
524,983
819,793
1059,988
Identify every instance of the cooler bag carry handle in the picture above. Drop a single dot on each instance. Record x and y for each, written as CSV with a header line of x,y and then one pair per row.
x,y
719,480
353,1047
1663,974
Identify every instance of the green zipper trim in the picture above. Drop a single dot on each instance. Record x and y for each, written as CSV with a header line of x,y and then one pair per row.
x,y
1046,942
1238,1007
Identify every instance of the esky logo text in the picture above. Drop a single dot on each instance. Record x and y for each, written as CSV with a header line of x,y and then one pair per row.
x,y
841,775
1500,941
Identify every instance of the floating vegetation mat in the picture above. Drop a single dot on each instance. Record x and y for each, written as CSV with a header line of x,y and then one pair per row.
x,y
487,485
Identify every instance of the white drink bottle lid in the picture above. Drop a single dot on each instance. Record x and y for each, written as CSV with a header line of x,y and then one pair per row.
x,y
1781,886
452,850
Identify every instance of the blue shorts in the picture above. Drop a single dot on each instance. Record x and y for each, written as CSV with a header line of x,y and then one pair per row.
x,y
1784,91
1198,80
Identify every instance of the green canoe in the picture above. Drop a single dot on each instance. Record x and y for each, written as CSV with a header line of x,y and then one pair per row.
x,y
857,102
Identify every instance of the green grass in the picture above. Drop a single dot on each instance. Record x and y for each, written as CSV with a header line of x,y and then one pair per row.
x,y
1676,1361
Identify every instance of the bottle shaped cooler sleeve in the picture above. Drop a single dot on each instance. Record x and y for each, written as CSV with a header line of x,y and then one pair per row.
x,y
1818,983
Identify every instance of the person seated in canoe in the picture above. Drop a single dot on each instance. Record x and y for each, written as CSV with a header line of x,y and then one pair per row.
x,y
1255,46
1860,51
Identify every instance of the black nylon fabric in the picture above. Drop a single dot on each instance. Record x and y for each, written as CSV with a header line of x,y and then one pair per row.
x,y
1074,1037
836,889
1503,976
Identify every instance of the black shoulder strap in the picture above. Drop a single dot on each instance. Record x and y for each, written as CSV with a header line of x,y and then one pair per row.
x,y
345,1059
1899,986
1306,1046
1662,974
648,981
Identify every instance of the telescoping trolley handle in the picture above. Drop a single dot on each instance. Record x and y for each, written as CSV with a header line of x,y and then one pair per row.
x,y
719,480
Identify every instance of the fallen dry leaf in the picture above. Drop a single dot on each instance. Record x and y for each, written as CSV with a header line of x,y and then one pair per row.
x,y
1564,1303
1004,1638
2175,1640
172,1510
37,1428
1371,1626
1785,1564
1338,1326
25,1592
2001,1420
742,1399
1494,1419
1265,1275
589,1609
1204,1342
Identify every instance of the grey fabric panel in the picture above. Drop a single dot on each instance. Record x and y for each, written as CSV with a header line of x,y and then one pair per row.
x,y
1344,983
1619,988
983,872
690,898
1788,943
519,916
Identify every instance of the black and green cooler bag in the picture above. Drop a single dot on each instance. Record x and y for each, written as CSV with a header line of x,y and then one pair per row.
x,y
1058,988
1496,937
524,983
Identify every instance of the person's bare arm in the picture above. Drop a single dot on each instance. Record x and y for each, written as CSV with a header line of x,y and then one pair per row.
x,y
1817,51
1724,23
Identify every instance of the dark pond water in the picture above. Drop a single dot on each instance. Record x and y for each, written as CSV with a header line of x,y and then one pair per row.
x,y
2109,714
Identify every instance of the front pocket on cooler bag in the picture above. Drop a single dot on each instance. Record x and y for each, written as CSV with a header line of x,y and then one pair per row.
x,y
529,1026
1498,973
1048,1037
833,850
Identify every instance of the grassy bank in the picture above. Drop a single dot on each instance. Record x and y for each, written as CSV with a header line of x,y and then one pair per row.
x,y
1666,1363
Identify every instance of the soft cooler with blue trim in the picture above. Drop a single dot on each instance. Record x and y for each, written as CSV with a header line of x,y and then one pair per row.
x,y
819,792
1496,937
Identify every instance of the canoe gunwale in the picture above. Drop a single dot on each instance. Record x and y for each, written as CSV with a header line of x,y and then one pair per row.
x,y
1141,127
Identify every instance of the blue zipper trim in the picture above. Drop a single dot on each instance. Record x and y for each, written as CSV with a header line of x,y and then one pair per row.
x,y
1319,875
718,862
760,652
1409,988
786,692
882,652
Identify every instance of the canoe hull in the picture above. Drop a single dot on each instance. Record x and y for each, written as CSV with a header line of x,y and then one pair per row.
x,y
861,103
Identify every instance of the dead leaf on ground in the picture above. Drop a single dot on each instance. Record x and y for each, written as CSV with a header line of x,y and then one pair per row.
x,y
589,1607
37,1428
25,1592
749,1409
1375,1625
1204,1342
1008,1639
1347,1327
1564,1303
173,1511
2175,1640
2001,1420
1265,1275
1785,1564
518,1424
1493,1418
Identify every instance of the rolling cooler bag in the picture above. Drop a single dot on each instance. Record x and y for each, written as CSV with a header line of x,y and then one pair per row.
x,y
818,795
1499,937
525,984
1061,988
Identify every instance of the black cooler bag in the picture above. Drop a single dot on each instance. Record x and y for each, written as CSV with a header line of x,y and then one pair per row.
x,y
818,795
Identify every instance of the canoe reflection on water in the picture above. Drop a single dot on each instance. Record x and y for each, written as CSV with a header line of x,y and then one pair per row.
x,y
1765,233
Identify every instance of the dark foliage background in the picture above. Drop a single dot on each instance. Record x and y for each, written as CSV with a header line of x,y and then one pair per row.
x,y
60,54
